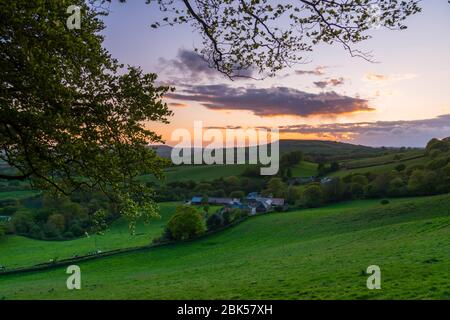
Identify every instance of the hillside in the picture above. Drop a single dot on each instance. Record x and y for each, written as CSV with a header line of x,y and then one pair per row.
x,y
379,168
308,254
198,172
340,150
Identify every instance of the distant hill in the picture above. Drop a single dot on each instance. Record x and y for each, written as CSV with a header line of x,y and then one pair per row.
x,y
332,150
163,150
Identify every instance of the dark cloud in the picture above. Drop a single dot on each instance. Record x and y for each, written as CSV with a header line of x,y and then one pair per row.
x,y
388,133
272,101
400,126
414,133
329,82
190,65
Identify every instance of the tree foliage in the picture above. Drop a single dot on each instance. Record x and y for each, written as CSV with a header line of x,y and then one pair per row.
x,y
313,196
241,37
186,223
71,116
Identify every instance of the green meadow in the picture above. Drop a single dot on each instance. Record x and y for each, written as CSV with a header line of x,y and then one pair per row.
x,y
380,168
305,169
198,172
17,251
306,254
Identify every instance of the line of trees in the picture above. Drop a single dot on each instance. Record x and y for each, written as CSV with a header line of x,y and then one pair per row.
x,y
430,178
58,218
189,222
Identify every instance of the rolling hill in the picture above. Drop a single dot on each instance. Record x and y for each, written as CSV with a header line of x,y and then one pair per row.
x,y
307,254
340,150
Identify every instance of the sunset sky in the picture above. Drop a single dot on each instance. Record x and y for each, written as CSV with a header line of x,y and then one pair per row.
x,y
403,100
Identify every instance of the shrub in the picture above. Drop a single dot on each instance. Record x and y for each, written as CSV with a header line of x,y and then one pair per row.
x,y
186,223
313,196
232,215
435,144
237,194
36,232
437,163
232,181
275,187
22,221
166,236
357,190
422,182
397,188
58,222
76,229
68,235
379,186
51,231
215,221
400,167
294,194
384,201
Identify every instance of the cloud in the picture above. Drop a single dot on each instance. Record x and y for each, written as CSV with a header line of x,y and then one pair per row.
x,y
329,82
189,65
275,101
375,77
388,133
318,71
413,133
177,105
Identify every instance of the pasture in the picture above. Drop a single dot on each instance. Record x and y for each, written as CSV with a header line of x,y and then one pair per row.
x,y
306,254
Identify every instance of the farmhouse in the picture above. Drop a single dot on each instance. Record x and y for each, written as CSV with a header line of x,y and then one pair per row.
x,y
258,203
253,202
213,200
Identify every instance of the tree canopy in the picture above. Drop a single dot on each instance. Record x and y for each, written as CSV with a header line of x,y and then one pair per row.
x,y
71,116
244,38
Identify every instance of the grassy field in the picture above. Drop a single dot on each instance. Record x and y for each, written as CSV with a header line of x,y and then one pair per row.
x,y
379,168
18,251
384,159
199,172
308,254
305,169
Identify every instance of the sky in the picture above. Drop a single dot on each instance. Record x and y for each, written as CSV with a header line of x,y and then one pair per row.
x,y
401,100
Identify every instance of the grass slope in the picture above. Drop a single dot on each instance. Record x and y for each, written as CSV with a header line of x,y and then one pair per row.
x,y
305,169
329,148
199,172
379,168
384,159
309,254
18,251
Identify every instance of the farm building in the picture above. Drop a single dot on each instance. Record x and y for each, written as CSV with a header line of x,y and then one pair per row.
x,y
213,200
253,202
